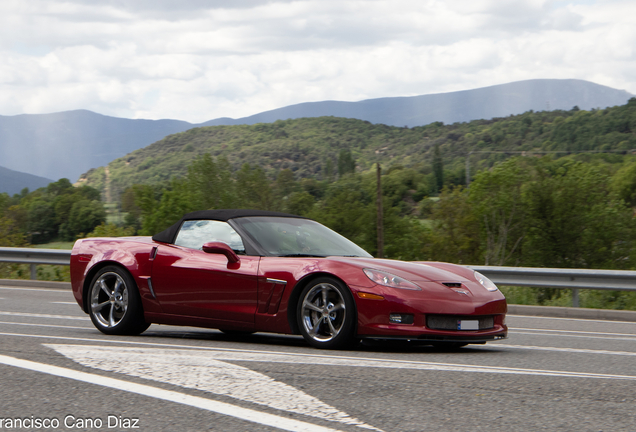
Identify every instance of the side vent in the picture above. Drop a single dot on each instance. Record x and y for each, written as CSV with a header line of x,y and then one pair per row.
x,y
150,288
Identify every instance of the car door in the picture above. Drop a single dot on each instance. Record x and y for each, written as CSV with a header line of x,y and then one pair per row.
x,y
190,282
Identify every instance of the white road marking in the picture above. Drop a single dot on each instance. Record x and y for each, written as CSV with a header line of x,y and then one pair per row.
x,y
510,316
570,331
633,339
65,303
35,315
35,289
200,371
573,350
196,347
168,395
384,363
311,359
47,325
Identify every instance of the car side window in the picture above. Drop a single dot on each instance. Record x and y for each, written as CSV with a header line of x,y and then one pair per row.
x,y
194,234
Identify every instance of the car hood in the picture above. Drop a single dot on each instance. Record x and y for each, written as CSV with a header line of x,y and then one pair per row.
x,y
413,271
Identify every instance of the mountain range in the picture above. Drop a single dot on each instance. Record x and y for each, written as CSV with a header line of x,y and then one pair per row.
x,y
67,144
12,182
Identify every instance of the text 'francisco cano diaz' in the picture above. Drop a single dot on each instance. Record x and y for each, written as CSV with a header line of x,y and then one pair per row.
x,y
69,422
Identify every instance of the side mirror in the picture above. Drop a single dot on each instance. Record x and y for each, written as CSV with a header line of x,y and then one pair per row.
x,y
221,248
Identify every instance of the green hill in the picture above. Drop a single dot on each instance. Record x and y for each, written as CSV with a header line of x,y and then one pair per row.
x,y
310,146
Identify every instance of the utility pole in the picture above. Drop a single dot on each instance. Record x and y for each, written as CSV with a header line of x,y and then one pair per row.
x,y
380,222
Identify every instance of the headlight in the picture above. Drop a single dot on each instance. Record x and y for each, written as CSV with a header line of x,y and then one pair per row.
x,y
487,283
387,279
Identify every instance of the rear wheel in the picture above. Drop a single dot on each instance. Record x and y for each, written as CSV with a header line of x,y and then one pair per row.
x,y
114,303
326,314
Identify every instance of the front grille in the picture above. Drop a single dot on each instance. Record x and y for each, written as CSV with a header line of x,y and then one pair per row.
x,y
450,322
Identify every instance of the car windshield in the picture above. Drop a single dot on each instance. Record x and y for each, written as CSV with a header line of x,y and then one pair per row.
x,y
284,236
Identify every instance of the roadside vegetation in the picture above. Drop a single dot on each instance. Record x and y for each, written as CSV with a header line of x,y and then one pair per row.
x,y
547,189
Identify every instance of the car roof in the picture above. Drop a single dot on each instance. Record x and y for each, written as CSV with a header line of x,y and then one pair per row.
x,y
168,235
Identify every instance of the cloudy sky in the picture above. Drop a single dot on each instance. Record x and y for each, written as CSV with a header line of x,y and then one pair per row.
x,y
197,60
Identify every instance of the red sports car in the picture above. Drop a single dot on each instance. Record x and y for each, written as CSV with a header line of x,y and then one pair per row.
x,y
245,271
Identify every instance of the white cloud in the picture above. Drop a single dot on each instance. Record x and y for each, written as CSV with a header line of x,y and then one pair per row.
x,y
198,60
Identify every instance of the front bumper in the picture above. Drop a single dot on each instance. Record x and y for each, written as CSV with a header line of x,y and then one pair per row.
x,y
434,318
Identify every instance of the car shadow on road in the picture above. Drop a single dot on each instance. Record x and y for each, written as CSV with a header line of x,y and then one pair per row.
x,y
292,341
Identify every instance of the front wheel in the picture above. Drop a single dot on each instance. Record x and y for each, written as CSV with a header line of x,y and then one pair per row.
x,y
326,314
114,303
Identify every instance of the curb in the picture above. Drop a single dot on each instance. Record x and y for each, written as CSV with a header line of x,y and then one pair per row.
x,y
26,283
570,312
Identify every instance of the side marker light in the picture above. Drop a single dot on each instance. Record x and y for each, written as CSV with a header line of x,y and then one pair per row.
x,y
370,296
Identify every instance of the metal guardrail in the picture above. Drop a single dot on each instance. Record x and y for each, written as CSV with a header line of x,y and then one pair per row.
x,y
560,278
34,257
574,279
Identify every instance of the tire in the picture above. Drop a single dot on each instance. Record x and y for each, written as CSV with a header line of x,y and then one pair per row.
x,y
326,314
114,304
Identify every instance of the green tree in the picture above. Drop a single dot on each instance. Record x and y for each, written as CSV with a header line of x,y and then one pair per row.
x,y
300,203
41,221
210,184
346,163
85,215
438,168
253,189
285,184
111,230
455,235
624,183
573,219
496,199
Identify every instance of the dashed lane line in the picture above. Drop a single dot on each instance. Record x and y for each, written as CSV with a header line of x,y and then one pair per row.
x,y
91,328
515,329
49,290
511,317
570,350
628,338
35,315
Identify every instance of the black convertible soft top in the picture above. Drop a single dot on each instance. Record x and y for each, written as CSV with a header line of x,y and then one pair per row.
x,y
168,235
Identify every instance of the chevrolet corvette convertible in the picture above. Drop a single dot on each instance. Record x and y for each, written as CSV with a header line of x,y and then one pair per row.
x,y
246,271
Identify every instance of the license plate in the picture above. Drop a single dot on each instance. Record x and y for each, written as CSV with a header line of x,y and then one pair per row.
x,y
467,325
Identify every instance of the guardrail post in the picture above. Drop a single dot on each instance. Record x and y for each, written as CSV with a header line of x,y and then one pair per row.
x,y
575,297
34,271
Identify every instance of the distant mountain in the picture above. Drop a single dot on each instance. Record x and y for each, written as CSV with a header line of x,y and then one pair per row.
x,y
12,182
461,106
68,144
311,147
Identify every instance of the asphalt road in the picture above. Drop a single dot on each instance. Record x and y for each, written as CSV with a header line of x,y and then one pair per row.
x,y
56,369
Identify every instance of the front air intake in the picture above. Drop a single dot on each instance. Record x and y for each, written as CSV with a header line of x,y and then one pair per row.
x,y
452,322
